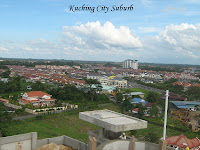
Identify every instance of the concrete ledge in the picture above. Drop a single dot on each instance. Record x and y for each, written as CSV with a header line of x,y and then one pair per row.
x,y
25,141
123,144
63,140
75,143
17,138
57,140
42,142
113,121
29,141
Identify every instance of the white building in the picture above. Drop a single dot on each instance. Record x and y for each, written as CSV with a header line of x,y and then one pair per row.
x,y
130,64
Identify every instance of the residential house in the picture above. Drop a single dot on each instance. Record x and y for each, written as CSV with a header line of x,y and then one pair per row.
x,y
4,100
37,98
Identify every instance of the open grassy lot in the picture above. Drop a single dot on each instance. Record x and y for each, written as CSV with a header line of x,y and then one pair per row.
x,y
66,123
69,124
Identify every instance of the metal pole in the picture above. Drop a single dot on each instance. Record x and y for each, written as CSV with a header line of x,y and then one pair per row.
x,y
165,119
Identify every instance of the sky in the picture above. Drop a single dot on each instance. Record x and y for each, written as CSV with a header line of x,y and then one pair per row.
x,y
153,31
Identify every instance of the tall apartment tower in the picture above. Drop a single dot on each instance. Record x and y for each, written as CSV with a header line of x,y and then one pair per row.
x,y
130,64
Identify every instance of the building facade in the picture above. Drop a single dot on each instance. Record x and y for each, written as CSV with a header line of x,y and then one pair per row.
x,y
130,64
37,98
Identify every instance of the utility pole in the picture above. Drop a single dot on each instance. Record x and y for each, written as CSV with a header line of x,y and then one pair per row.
x,y
165,119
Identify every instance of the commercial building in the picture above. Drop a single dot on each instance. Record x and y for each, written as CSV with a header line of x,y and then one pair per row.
x,y
130,64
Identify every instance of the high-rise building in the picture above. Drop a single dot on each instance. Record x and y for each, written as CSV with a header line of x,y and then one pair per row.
x,y
130,64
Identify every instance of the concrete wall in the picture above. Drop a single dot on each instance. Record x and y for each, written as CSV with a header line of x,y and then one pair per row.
x,y
57,140
68,107
75,144
18,107
29,141
19,142
13,106
63,140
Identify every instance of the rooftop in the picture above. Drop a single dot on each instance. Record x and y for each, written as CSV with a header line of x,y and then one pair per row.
x,y
113,121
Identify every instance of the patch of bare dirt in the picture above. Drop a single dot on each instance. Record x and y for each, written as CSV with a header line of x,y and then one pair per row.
x,y
53,146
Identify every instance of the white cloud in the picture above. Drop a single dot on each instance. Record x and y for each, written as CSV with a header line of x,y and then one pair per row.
x,y
146,2
148,29
95,41
176,40
190,1
3,49
39,46
95,35
27,49
175,9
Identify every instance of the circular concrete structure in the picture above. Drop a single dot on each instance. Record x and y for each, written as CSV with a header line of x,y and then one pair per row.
x,y
124,144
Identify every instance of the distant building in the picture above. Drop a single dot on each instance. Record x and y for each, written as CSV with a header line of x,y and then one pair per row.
x,y
113,81
138,100
5,80
134,94
189,105
130,64
96,76
4,100
37,98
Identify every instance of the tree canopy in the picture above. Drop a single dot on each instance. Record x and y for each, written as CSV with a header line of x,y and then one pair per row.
x,y
153,97
70,93
193,93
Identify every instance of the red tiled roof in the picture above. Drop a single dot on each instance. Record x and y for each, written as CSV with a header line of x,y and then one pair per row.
x,y
36,93
28,101
182,141
4,100
196,84
187,84
177,83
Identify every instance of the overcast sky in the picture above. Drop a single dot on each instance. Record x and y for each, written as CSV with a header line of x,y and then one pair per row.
x,y
155,31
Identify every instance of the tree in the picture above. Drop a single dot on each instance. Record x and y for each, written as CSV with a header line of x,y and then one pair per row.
x,y
154,111
4,114
5,74
153,97
70,93
172,80
92,91
152,137
119,97
29,105
193,93
38,86
126,105
91,82
141,110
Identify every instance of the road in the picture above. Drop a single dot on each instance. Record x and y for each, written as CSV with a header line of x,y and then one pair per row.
x,y
24,117
136,85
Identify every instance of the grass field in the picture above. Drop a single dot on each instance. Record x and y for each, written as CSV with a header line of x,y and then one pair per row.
x,y
66,123
69,124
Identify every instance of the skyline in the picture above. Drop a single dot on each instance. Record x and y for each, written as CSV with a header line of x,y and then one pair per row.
x,y
153,32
